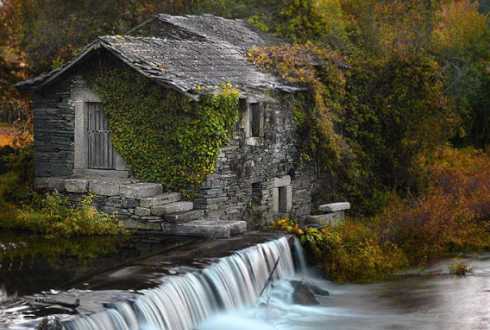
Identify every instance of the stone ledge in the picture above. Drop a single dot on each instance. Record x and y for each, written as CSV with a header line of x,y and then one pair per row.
x,y
104,188
206,228
176,207
334,207
78,186
332,219
141,190
160,200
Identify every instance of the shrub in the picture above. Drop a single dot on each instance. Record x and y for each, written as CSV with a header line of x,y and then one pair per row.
x,y
16,175
452,215
52,216
351,251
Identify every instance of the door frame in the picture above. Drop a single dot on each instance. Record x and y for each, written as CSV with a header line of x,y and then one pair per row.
x,y
81,96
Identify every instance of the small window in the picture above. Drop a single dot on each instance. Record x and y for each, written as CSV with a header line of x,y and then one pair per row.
x,y
255,117
283,200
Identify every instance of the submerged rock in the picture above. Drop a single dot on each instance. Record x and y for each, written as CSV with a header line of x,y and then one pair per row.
x,y
303,295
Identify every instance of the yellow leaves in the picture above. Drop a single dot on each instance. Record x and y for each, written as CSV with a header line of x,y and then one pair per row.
x,y
460,25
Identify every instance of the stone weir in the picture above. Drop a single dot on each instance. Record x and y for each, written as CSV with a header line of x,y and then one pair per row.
x,y
174,290
144,206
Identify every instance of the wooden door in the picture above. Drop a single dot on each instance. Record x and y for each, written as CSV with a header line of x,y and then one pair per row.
x,y
100,152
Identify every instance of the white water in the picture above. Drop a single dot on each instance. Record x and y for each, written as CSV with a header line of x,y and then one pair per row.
x,y
183,302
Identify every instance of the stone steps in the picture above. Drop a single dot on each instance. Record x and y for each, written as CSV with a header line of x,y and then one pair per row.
x,y
160,200
184,217
171,208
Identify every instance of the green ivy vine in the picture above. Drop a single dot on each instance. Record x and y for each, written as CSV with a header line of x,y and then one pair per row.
x,y
163,135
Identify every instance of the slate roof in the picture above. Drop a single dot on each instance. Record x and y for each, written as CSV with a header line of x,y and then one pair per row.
x,y
217,56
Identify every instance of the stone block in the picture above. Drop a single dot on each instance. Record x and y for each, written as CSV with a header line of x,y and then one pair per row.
x,y
185,216
129,203
282,181
135,224
51,184
332,219
114,201
160,200
79,186
141,190
104,188
176,207
238,227
142,211
334,207
199,228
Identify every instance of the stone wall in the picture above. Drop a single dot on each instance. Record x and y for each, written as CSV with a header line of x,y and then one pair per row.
x,y
248,171
54,120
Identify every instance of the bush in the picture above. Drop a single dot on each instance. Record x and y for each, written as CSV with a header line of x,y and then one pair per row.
x,y
351,251
452,215
16,176
52,216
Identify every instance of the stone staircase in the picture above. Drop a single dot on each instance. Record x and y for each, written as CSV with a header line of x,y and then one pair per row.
x,y
144,206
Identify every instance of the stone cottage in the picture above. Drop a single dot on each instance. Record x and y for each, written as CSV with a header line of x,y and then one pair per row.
x,y
258,177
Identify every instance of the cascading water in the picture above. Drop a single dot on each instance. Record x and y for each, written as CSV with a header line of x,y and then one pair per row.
x,y
182,302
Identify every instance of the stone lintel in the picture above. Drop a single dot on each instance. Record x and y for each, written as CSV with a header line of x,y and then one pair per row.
x,y
334,207
282,181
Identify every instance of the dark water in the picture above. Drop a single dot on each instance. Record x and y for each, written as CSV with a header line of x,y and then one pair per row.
x,y
30,264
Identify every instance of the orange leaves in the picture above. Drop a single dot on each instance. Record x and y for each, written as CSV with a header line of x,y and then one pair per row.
x,y
453,214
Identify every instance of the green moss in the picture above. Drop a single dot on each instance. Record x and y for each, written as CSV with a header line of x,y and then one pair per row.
x,y
163,135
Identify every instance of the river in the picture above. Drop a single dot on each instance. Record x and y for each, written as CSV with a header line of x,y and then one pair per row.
x,y
188,284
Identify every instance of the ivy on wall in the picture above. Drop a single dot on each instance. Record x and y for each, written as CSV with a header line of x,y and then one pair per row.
x,y
163,135
316,112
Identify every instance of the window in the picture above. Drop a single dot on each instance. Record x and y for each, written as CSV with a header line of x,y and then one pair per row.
x,y
255,118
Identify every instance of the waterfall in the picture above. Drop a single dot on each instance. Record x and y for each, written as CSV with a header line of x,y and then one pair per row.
x,y
182,302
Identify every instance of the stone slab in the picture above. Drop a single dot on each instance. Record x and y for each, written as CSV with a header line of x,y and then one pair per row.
x,y
332,219
185,216
176,207
206,228
140,225
282,181
79,186
142,212
334,207
104,188
52,183
141,190
160,200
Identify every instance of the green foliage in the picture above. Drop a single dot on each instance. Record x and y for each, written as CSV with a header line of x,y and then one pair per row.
x,y
53,249
53,216
16,178
350,252
164,136
395,112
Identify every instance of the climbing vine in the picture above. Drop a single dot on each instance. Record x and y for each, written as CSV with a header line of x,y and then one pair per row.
x,y
163,135
316,112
